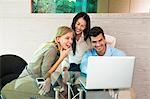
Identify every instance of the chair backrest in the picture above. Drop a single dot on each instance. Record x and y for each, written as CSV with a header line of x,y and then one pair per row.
x,y
11,67
110,40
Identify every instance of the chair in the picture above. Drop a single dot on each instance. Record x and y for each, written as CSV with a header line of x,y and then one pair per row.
x,y
11,67
111,40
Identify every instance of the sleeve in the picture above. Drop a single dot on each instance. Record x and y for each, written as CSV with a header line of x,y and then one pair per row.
x,y
84,61
49,59
121,53
65,63
110,40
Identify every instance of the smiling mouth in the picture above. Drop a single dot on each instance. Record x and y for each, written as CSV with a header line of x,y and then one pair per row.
x,y
99,48
78,30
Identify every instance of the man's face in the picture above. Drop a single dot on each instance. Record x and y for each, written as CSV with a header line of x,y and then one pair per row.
x,y
99,43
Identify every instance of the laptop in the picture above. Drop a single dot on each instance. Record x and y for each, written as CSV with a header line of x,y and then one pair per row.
x,y
108,72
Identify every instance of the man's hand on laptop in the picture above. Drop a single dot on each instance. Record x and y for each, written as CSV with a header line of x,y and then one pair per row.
x,y
113,93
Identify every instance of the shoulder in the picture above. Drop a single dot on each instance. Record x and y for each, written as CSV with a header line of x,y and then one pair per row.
x,y
90,52
116,52
49,47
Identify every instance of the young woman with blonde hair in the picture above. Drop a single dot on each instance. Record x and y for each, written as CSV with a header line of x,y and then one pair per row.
x,y
45,62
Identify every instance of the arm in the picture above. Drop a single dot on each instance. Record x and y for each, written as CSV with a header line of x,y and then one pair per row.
x,y
46,86
54,67
63,54
65,64
49,59
117,52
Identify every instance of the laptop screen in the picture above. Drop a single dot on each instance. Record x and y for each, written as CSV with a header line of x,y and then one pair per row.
x,y
109,72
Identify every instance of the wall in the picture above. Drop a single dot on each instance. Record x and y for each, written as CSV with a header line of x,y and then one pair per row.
x,y
22,32
123,6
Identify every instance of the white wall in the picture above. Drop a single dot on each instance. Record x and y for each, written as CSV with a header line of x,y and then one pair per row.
x,y
22,32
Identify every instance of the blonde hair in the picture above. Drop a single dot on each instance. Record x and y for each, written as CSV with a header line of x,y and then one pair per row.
x,y
62,30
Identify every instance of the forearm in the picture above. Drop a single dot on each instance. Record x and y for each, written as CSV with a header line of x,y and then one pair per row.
x,y
54,67
65,63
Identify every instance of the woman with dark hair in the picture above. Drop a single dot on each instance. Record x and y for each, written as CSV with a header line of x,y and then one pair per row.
x,y
86,27
81,25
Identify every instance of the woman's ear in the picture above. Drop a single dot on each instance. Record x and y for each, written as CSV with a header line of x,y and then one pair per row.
x,y
58,39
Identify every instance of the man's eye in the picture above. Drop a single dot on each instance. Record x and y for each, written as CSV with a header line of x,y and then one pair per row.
x,y
100,40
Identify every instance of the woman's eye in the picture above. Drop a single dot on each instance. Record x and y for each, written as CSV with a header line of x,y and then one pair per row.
x,y
67,38
78,23
83,26
93,41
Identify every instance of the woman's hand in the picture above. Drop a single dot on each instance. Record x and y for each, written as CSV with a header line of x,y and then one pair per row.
x,y
65,75
64,52
44,88
65,69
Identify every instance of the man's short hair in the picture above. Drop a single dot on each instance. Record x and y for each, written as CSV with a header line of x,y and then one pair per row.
x,y
95,31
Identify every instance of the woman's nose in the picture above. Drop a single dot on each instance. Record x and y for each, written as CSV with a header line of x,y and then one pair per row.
x,y
70,41
79,27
